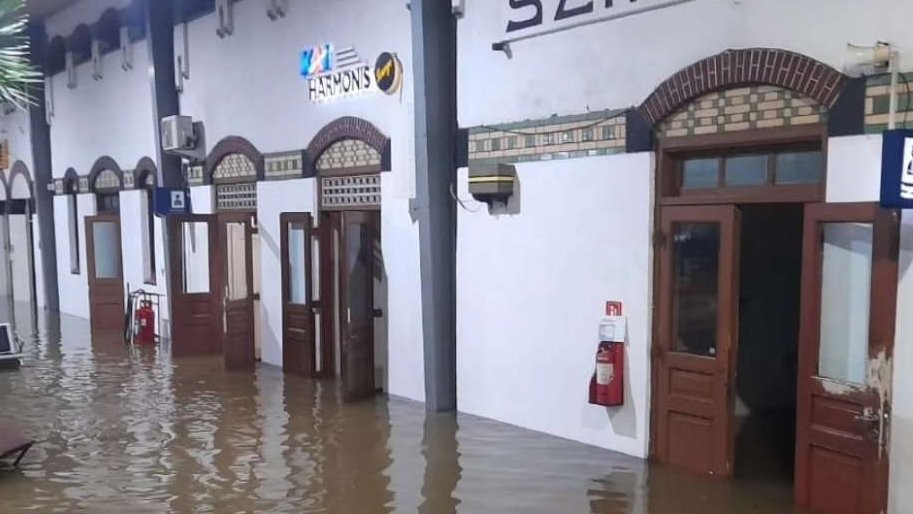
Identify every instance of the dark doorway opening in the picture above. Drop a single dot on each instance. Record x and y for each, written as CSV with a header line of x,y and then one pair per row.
x,y
769,308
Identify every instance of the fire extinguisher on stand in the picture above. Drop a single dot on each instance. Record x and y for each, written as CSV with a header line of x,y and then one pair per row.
x,y
144,324
607,383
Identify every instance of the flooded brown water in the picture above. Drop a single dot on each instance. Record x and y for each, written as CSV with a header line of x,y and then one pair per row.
x,y
130,431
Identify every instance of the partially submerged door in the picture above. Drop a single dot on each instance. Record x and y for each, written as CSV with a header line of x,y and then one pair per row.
x,y
298,333
105,273
697,337
195,302
356,270
238,295
846,343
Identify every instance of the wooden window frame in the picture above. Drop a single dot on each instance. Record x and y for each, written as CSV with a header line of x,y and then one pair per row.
x,y
673,151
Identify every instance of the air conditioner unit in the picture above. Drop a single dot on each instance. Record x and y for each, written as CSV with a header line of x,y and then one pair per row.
x,y
177,134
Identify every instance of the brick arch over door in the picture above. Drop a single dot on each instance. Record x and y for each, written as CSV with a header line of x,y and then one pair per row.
x,y
232,145
347,127
104,164
144,168
19,169
743,67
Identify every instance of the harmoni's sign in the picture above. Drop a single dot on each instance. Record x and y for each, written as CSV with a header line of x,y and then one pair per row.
x,y
526,14
333,74
897,169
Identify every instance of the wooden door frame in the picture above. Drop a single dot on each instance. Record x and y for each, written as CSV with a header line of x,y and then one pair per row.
x,y
286,219
246,218
176,272
670,152
365,218
882,321
91,278
727,323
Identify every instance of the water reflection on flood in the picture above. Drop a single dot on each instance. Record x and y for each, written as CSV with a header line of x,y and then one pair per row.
x,y
125,430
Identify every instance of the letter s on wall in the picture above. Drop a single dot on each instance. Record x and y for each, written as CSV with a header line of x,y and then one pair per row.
x,y
527,23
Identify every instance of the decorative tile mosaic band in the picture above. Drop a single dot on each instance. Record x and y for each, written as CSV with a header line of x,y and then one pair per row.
x,y
284,165
878,102
744,108
236,197
195,175
128,179
350,191
348,154
558,137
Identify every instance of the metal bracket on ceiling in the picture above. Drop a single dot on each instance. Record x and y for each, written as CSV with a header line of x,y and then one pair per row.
x,y
277,9
225,12
96,60
126,49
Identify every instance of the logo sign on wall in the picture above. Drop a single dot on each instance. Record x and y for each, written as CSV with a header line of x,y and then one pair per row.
x,y
897,169
333,74
317,60
388,73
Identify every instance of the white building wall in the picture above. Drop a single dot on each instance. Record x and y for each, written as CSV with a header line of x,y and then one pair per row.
x,y
532,287
249,85
131,228
618,63
112,116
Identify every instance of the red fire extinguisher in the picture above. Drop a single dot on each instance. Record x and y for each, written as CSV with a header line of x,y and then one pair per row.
x,y
144,327
607,385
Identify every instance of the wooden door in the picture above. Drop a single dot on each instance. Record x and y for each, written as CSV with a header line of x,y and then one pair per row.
x,y
846,340
196,307
697,337
238,290
356,273
105,274
299,353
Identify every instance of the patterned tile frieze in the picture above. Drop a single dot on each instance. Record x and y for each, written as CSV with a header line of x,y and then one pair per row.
x,y
128,179
349,191
107,180
234,166
558,137
878,102
234,197
743,108
194,174
348,154
58,186
284,165
84,185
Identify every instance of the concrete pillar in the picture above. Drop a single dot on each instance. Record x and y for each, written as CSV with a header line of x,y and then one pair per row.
x,y
160,33
434,72
41,171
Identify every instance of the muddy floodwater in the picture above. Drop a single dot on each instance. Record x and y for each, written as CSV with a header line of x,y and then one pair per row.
x,y
126,430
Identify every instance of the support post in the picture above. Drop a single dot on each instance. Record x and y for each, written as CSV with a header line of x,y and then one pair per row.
x,y
40,133
434,71
165,102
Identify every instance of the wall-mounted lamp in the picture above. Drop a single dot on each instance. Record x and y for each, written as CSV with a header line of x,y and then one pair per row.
x,y
492,183
458,7
870,60
126,49
96,60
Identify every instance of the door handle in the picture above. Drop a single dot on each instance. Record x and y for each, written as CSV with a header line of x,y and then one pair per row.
x,y
867,417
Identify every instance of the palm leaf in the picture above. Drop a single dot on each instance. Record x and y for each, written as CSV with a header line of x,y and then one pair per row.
x,y
16,71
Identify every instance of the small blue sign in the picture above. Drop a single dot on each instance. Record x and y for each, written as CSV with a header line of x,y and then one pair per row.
x,y
170,201
897,169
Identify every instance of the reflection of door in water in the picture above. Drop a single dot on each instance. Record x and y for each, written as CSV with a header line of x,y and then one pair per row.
x,y
106,285
697,337
846,342
356,286
238,294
